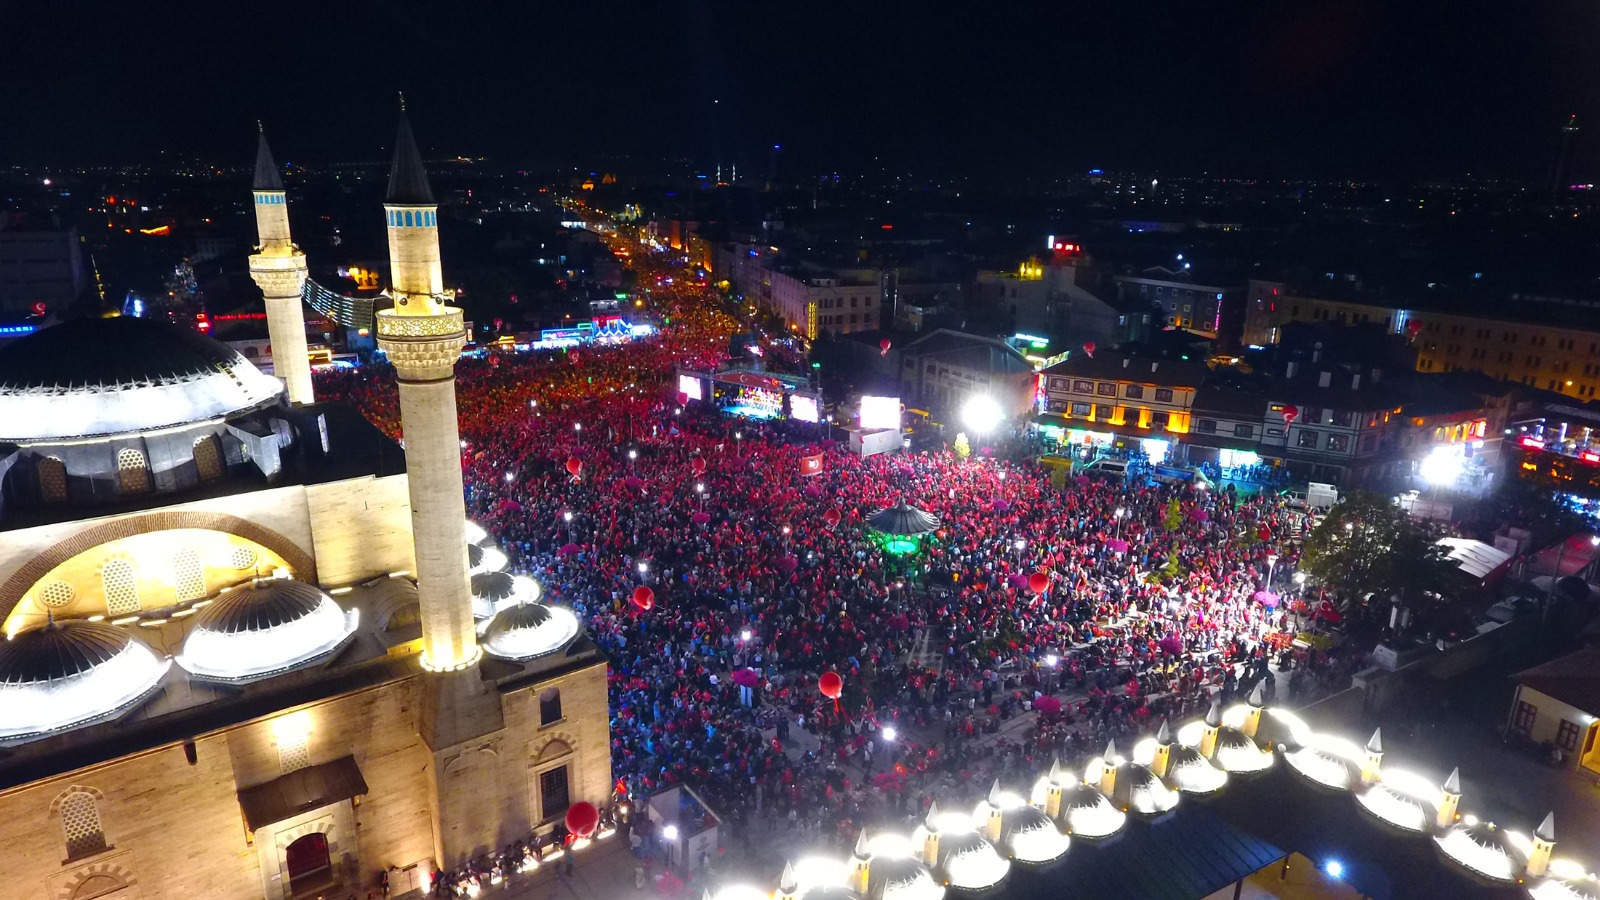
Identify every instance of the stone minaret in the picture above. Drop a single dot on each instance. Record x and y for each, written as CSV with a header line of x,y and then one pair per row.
x,y
423,336
1163,756
1108,769
279,269
1372,765
1213,725
1053,789
1544,844
930,843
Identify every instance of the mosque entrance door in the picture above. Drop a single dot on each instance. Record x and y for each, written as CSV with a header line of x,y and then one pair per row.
x,y
310,869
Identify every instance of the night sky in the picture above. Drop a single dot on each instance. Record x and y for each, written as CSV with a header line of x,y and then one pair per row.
x,y
1345,88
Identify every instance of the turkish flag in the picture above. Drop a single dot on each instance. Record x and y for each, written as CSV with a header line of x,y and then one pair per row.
x,y
811,465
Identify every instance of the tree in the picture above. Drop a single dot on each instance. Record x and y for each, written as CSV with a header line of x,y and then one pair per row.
x,y
962,448
1369,546
1174,519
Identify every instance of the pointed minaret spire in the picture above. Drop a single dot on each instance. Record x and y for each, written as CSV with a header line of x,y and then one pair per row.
x,y
408,178
994,794
1111,753
861,845
1547,829
1214,714
1055,770
931,820
267,177
1258,696
787,883
1375,744
1164,733
1452,785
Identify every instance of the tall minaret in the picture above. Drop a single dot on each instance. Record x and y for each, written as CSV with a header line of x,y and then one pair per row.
x,y
423,337
279,269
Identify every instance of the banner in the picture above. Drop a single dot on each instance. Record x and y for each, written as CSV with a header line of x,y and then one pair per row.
x,y
811,465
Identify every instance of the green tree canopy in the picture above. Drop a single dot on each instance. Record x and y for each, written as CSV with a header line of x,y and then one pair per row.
x,y
1368,545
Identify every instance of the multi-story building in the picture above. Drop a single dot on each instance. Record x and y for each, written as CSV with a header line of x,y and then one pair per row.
x,y
946,368
809,300
1552,345
1211,310
1113,400
1047,298
40,271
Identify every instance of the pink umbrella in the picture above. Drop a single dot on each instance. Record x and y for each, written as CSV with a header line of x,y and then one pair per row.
x,y
1018,581
1117,545
1047,704
569,550
1171,644
1001,506
747,678
1198,514
812,490
700,518
1265,598
788,563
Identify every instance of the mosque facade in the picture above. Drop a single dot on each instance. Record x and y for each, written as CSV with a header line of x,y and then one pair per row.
x,y
253,646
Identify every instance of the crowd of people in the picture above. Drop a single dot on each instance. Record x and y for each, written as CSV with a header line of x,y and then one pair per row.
x,y
766,578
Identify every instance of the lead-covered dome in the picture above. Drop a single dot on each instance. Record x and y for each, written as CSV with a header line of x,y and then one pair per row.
x,y
261,629
102,377
527,630
72,673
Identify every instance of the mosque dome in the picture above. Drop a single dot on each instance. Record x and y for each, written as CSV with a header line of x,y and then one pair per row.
x,y
104,377
1484,850
1089,815
261,629
71,673
1237,754
1191,773
1566,880
1030,836
526,630
1327,760
494,591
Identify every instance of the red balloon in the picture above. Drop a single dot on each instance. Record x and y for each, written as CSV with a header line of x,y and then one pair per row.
x,y
683,399
883,347
574,466
1413,327
1039,582
1088,349
582,819
831,518
644,598
698,464
831,685
1290,413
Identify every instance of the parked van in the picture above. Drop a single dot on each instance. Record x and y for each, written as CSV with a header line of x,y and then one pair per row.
x,y
1108,468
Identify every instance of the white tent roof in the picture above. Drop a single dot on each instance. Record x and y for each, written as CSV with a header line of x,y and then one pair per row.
x,y
1474,557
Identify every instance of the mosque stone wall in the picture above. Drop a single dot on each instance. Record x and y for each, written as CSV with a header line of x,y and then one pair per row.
x,y
361,528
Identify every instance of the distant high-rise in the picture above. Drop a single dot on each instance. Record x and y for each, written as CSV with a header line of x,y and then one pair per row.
x,y
1569,134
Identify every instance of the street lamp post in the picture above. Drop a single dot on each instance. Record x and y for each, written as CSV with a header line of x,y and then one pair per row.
x,y
1118,516
1549,591
1272,563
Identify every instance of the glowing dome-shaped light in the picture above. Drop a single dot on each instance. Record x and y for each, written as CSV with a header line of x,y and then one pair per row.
x,y
494,591
475,533
1088,815
1238,755
527,630
1483,850
968,861
1566,880
1191,773
1030,836
1139,791
819,872
1403,799
262,629
896,874
485,559
1327,760
73,673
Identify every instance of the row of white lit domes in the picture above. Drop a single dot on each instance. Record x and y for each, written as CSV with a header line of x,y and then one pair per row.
x,y
77,672
974,853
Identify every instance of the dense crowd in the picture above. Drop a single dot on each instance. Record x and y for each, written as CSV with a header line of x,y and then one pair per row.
x,y
759,590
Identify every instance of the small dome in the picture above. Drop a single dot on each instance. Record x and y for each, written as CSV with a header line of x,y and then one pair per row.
x,y
900,877
1031,836
72,673
1281,728
1237,754
261,629
1191,773
1139,791
1484,850
494,591
485,559
1393,802
1089,815
102,377
1566,880
528,630
1327,760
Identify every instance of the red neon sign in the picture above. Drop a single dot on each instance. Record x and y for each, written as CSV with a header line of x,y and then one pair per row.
x,y
1532,443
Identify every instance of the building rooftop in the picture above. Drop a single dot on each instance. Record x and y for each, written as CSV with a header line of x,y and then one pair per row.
x,y
1110,366
1573,679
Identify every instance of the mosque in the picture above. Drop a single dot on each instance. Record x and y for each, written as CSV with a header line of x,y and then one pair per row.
x,y
253,646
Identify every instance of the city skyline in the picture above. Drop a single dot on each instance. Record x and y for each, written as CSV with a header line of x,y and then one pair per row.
x,y
1361,91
